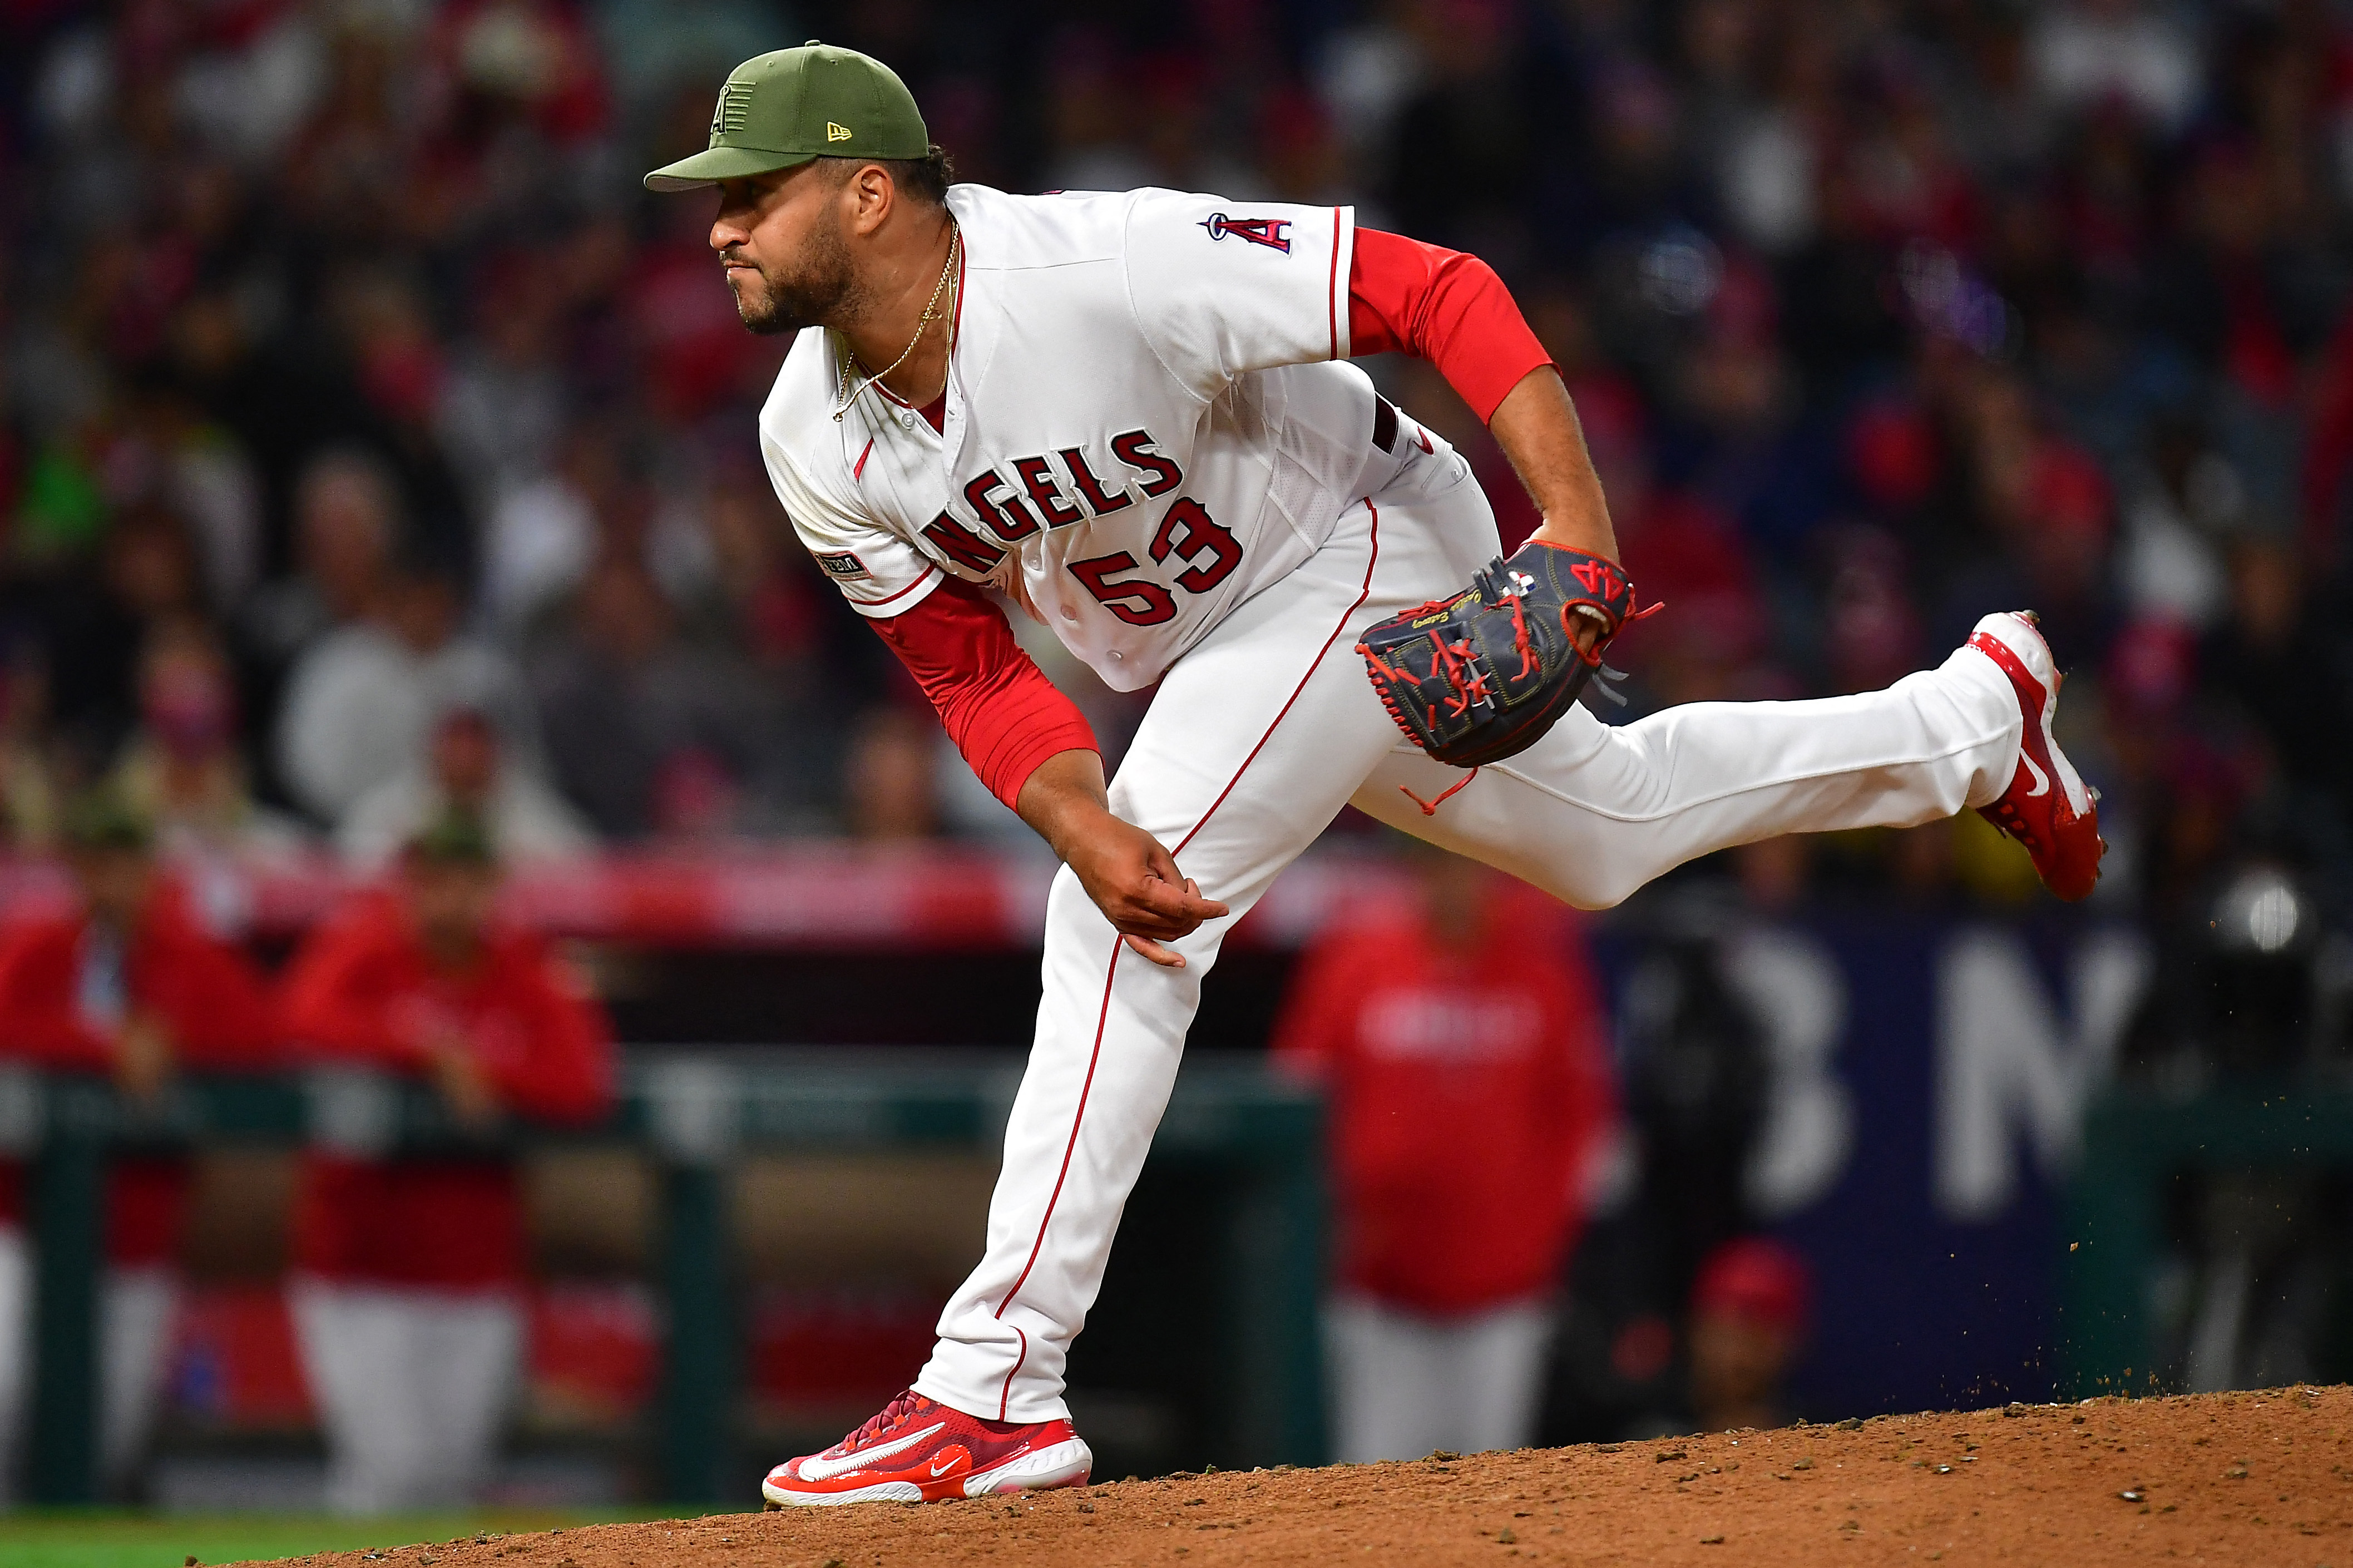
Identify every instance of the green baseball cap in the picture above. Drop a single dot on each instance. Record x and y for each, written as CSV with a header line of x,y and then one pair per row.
x,y
101,819
789,106
458,837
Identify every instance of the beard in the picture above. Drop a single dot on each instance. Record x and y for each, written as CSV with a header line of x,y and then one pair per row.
x,y
821,283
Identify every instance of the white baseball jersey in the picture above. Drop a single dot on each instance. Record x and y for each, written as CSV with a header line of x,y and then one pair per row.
x,y
1149,419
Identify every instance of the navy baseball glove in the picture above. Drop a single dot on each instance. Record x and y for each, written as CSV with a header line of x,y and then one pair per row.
x,y
1480,676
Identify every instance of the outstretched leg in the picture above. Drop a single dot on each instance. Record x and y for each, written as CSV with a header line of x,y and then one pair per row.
x,y
1592,812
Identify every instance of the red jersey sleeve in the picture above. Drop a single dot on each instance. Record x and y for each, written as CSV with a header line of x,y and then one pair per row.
x,y
338,997
231,1019
998,707
1443,306
212,999
39,1021
550,1051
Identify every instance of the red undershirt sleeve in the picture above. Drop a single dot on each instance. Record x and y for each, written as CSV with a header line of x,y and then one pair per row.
x,y
998,707
1443,306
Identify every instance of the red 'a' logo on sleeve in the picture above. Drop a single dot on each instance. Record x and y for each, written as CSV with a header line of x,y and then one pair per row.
x,y
1274,233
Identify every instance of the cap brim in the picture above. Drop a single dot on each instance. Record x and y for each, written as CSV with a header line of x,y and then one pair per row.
x,y
716,163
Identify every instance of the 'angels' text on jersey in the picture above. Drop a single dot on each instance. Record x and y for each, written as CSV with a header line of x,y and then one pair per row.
x,y
1144,426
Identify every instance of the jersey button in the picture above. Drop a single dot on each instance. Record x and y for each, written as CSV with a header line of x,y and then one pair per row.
x,y
1069,614
1115,653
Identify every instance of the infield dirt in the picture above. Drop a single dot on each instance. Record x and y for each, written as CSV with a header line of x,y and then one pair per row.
x,y
2245,1480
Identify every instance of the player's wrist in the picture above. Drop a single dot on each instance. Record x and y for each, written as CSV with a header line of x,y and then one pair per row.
x,y
1086,836
1064,799
1561,532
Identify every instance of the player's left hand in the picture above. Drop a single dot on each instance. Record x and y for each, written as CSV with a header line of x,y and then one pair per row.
x,y
1483,674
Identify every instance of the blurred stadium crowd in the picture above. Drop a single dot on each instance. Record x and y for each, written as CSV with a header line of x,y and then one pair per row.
x,y
369,438
372,446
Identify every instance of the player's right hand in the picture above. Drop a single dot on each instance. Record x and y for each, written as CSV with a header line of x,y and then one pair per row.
x,y
1135,883
1126,871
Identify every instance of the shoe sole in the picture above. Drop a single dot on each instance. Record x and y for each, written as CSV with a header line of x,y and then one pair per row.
x,y
1058,1465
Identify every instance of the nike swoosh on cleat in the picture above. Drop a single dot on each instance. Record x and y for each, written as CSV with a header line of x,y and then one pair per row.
x,y
2041,779
822,1470
939,1470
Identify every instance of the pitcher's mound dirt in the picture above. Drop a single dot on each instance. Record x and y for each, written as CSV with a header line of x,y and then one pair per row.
x,y
2233,1481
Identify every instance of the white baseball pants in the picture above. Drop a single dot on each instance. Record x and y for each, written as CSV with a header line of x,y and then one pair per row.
x,y
1258,737
1404,1385
136,1310
16,1351
412,1387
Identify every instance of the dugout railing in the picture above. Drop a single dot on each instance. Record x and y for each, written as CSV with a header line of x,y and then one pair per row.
x,y
691,1115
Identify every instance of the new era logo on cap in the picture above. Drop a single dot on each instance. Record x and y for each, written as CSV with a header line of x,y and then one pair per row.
x,y
836,132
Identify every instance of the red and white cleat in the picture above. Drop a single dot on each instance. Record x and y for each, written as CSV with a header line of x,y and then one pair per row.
x,y
2047,807
918,1450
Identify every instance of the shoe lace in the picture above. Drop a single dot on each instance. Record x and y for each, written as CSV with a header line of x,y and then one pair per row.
x,y
901,1407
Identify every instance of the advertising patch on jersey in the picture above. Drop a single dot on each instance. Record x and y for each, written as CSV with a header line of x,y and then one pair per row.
x,y
1274,233
841,565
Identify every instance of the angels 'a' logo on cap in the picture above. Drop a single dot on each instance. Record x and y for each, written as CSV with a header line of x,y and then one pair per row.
x,y
733,108
1274,233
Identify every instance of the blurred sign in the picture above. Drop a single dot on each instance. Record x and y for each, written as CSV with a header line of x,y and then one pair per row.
x,y
1931,1078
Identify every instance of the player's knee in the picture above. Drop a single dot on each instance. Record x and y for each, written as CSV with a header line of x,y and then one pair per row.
x,y
1588,885
1601,895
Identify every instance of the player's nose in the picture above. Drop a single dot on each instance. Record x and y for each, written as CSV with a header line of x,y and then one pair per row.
x,y
728,228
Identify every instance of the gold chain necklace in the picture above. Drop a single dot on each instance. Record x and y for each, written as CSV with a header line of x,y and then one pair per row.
x,y
844,398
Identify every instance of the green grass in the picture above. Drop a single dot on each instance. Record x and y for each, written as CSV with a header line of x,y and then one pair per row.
x,y
111,1540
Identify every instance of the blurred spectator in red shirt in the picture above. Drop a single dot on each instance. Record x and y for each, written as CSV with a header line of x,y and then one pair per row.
x,y
1748,1315
126,984
1460,1039
407,1268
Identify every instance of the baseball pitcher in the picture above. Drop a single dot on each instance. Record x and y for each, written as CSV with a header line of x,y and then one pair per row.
x,y
1131,415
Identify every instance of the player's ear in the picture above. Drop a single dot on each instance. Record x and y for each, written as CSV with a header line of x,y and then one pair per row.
x,y
872,197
